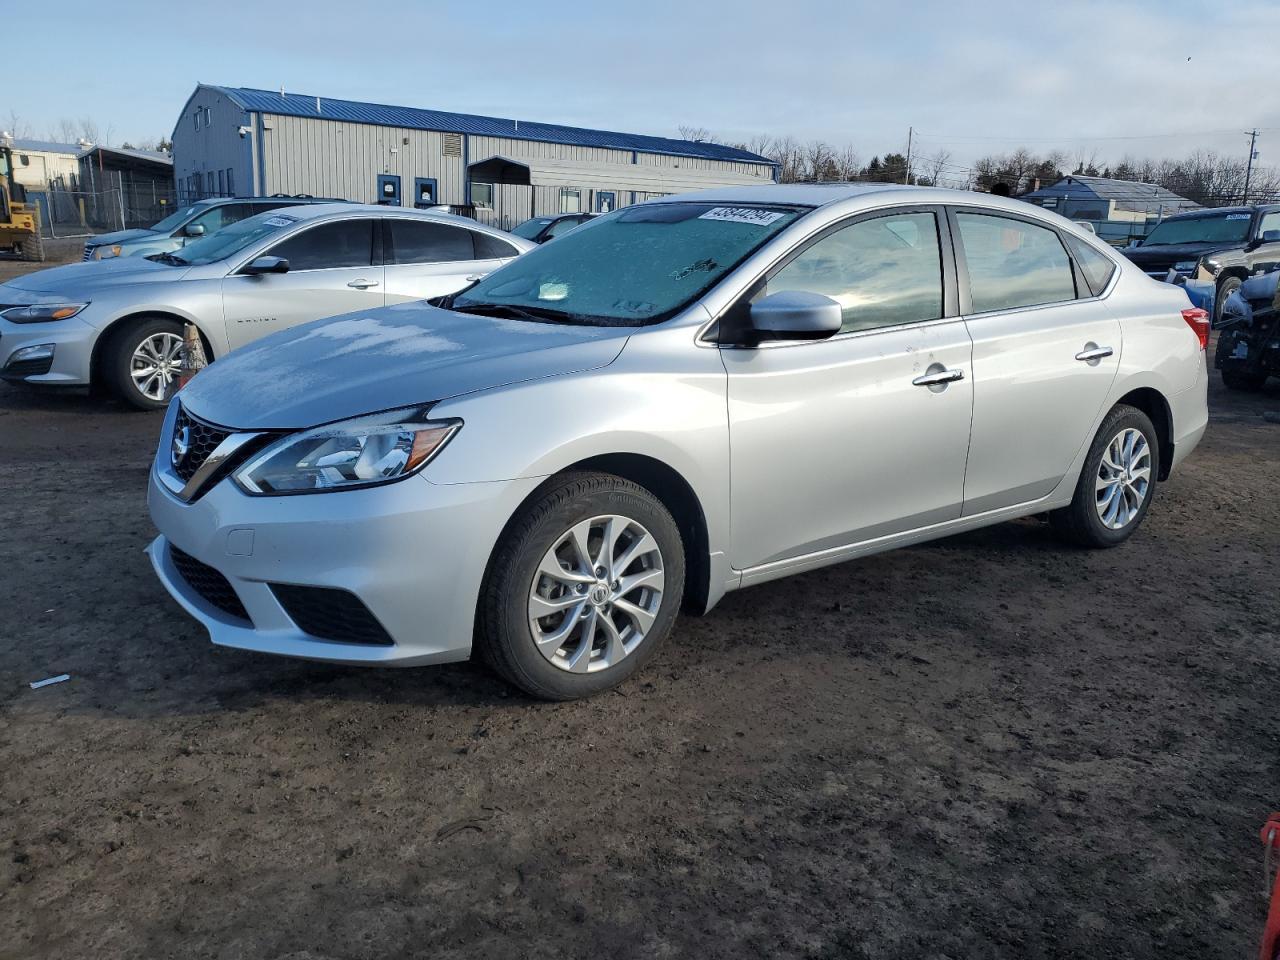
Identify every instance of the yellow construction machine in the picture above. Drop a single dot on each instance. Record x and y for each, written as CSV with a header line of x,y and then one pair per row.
x,y
19,220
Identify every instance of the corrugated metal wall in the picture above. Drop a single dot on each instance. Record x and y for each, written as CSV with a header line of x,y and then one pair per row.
x,y
215,147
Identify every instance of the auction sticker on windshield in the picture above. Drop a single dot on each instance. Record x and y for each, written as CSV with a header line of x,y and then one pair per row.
x,y
280,221
761,218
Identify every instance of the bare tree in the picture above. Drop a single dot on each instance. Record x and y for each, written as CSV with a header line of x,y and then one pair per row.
x,y
17,127
934,167
846,163
697,134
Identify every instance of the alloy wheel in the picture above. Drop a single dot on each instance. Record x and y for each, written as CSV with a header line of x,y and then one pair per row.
x,y
154,364
596,594
1124,478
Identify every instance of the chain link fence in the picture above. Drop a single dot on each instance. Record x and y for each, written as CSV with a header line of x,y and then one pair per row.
x,y
120,203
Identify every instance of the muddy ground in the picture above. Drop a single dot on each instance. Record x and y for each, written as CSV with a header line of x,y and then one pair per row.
x,y
990,746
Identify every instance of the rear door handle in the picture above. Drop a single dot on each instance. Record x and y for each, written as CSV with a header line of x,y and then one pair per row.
x,y
1091,354
362,284
476,277
937,377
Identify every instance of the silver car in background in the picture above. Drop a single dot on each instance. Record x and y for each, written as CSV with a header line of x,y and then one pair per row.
x,y
681,398
118,323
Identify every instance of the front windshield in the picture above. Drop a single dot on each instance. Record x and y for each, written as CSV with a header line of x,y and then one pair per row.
x,y
635,267
172,220
531,228
1215,228
229,241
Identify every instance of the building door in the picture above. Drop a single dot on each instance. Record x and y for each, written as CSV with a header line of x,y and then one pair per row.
x,y
424,192
389,189
606,200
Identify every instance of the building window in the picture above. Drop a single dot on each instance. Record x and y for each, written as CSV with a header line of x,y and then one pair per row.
x,y
231,183
197,118
208,117
222,183
570,200
482,194
26,160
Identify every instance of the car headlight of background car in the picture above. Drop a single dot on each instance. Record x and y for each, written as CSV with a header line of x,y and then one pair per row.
x,y
106,251
42,312
363,452
1185,266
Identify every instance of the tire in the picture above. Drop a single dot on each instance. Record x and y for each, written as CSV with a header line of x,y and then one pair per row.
x,y
1244,382
32,249
118,361
1083,522
1227,287
541,536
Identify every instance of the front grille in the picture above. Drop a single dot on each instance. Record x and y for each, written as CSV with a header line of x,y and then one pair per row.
x,y
27,368
330,614
201,440
209,583
88,251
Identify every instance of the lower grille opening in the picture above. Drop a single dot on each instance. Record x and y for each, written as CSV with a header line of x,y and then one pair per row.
x,y
330,614
209,583
27,368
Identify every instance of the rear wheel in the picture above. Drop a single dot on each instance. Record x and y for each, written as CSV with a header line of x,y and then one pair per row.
x,y
1225,289
141,361
1245,382
32,249
1116,483
583,589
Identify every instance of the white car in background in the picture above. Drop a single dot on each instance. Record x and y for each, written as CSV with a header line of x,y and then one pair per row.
x,y
118,322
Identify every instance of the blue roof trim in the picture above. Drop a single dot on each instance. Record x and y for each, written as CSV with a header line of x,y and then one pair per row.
x,y
380,114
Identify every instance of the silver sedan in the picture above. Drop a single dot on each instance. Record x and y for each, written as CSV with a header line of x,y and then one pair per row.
x,y
681,398
118,323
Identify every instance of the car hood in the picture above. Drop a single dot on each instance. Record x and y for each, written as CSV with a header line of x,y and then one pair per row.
x,y
1172,253
122,236
395,356
75,279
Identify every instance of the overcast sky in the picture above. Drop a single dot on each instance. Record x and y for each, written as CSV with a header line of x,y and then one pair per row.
x,y
1158,78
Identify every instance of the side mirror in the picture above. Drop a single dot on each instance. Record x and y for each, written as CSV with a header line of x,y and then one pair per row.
x,y
267,265
1271,236
194,230
796,315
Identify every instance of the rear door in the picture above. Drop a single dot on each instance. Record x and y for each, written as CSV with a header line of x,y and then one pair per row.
x,y
1045,353
331,271
430,258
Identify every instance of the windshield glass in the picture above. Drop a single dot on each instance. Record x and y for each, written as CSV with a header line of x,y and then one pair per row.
x,y
634,267
229,241
172,220
530,228
1216,228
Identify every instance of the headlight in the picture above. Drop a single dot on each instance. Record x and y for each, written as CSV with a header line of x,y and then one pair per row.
x,y
42,312
342,456
106,252
1213,266
1185,266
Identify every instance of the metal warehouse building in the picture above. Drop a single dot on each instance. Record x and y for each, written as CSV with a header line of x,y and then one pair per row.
x,y
236,141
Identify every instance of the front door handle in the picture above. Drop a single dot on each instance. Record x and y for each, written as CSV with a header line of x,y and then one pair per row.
x,y
362,284
938,377
1092,353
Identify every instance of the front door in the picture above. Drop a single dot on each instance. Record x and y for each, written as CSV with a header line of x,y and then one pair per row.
x,y
865,434
1044,359
330,272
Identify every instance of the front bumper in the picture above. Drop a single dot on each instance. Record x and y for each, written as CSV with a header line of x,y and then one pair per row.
x,y
72,341
413,552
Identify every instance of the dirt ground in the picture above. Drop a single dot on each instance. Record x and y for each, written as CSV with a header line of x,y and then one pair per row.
x,y
991,746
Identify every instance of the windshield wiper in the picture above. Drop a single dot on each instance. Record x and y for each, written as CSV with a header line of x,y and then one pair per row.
x,y
169,258
523,313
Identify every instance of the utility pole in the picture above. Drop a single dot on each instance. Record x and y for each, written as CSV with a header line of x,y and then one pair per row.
x,y
1248,170
906,177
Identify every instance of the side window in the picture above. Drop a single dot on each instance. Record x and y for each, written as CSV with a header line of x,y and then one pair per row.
x,y
1270,222
342,243
562,226
1013,263
1096,267
491,248
421,241
883,272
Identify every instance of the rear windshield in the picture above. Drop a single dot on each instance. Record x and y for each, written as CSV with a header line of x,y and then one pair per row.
x,y
1214,228
634,267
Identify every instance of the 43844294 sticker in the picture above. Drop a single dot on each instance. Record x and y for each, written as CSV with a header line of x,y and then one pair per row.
x,y
754,215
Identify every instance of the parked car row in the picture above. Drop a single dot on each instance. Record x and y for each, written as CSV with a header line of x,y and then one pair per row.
x,y
682,398
119,322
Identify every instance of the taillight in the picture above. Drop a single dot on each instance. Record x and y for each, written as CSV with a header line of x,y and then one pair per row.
x,y
1198,321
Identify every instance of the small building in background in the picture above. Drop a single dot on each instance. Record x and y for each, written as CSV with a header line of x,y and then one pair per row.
x,y
137,183
1119,210
41,164
234,141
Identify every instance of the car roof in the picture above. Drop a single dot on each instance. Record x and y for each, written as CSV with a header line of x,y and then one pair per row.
x,y
822,194
315,211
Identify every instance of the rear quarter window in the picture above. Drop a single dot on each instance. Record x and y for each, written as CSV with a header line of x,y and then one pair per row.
x,y
1096,267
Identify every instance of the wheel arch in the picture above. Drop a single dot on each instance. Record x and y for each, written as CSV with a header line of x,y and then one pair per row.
x,y
672,490
1153,403
113,329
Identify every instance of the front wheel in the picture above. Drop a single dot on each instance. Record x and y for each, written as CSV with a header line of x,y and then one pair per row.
x,y
1116,483
583,588
142,360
